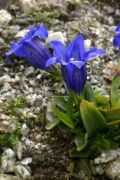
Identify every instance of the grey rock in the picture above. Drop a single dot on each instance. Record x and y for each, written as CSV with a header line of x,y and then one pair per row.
x,y
7,177
56,36
107,156
8,161
4,4
19,148
4,79
29,71
24,130
27,5
112,170
21,33
22,172
5,18
26,161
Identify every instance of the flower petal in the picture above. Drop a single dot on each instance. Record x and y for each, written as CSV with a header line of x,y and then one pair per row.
x,y
77,48
51,61
37,53
78,64
74,77
93,53
117,30
116,40
41,31
18,50
60,50
79,78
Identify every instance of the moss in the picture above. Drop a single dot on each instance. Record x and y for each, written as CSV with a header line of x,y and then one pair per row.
x,y
48,18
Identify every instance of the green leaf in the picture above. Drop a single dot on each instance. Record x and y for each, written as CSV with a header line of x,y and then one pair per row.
x,y
115,92
81,141
60,101
93,120
102,142
52,124
111,114
88,93
70,107
64,118
102,101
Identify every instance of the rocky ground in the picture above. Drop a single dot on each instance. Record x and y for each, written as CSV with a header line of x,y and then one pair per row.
x,y
28,151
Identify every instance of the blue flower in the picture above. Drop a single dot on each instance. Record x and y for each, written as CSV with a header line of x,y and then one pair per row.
x,y
32,48
116,39
73,60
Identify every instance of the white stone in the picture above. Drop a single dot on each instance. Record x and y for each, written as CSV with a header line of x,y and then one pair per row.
x,y
7,177
8,161
27,5
26,161
5,18
29,71
22,172
88,43
56,36
21,33
112,169
107,156
24,130
5,78
19,148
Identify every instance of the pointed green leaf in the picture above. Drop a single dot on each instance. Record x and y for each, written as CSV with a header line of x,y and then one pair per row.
x,y
60,102
115,92
111,114
64,118
93,120
102,101
70,107
52,124
81,141
88,93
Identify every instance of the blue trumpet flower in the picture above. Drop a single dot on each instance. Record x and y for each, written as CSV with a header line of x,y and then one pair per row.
x,y
32,48
116,39
73,60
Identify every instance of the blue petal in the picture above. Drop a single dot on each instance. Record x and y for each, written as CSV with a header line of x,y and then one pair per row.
x,y
78,64
116,40
117,30
41,31
60,50
74,77
93,53
77,48
79,78
37,53
51,61
67,73
18,50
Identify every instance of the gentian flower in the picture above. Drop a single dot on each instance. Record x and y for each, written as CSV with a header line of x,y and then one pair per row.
x,y
32,48
73,60
116,39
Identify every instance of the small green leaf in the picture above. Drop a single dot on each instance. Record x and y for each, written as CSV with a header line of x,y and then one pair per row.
x,y
93,120
70,107
60,102
64,118
111,114
102,101
88,93
81,141
115,92
52,124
